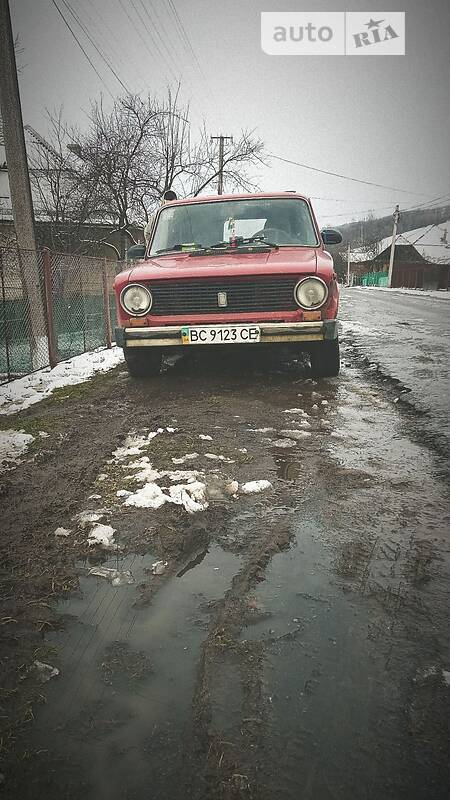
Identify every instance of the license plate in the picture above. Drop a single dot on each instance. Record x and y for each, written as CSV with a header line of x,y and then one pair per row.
x,y
221,334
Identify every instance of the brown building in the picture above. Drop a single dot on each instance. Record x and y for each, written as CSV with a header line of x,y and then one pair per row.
x,y
422,260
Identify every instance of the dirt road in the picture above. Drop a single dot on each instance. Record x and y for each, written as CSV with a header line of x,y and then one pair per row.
x,y
282,643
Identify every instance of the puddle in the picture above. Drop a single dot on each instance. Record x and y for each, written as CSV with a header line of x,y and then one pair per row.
x,y
344,614
127,678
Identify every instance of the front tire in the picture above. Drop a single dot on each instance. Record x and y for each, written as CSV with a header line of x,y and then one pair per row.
x,y
325,359
143,362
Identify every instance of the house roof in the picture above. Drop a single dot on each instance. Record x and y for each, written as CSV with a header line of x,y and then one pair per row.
x,y
431,242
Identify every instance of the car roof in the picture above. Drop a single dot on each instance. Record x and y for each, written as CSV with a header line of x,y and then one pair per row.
x,y
246,196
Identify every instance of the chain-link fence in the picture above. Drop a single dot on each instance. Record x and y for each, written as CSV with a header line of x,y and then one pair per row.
x,y
52,306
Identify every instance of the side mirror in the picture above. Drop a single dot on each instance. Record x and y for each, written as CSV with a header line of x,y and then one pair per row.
x,y
136,252
331,236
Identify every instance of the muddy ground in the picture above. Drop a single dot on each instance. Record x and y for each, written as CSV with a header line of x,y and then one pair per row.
x,y
293,642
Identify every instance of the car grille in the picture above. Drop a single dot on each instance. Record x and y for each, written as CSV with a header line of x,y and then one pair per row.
x,y
202,297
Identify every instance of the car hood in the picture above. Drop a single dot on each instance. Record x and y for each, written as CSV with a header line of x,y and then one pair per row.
x,y
286,260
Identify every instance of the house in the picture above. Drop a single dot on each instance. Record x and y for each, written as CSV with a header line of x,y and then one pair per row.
x,y
422,260
97,236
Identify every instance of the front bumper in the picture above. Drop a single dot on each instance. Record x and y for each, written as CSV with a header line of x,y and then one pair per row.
x,y
277,332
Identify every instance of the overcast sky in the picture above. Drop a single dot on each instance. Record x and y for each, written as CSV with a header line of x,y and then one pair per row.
x,y
382,119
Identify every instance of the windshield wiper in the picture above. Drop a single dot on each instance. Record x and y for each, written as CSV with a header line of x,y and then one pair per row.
x,y
261,240
186,247
240,242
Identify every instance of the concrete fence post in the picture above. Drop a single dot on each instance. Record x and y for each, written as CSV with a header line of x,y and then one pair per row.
x,y
48,298
106,309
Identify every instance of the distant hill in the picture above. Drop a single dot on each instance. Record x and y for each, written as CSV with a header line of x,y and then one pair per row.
x,y
376,229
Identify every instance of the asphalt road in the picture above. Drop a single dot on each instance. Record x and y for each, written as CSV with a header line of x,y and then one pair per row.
x,y
406,337
294,642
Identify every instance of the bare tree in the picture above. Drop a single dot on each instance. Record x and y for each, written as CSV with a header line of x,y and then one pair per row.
x,y
116,170
64,196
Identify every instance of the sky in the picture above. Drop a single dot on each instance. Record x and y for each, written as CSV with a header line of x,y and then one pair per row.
x,y
384,119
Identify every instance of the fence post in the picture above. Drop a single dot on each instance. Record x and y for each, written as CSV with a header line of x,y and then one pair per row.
x,y
48,295
106,310
5,322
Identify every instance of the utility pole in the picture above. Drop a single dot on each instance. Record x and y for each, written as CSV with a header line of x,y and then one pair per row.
x,y
16,157
394,237
348,264
19,185
222,139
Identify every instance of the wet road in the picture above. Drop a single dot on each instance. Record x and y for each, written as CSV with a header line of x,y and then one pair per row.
x,y
406,337
295,642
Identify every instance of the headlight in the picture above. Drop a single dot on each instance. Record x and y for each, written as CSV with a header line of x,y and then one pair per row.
x,y
311,293
136,300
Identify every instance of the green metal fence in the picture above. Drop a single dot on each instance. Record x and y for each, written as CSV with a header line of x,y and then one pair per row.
x,y
374,279
53,306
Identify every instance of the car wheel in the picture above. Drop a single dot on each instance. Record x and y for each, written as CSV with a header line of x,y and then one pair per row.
x,y
325,361
142,362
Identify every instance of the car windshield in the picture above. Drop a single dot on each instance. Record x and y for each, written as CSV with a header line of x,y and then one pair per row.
x,y
282,221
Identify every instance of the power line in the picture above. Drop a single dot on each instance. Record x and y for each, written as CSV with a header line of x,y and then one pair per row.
x,y
165,34
158,19
137,29
113,40
185,38
140,34
346,177
428,202
67,24
152,37
94,45
359,211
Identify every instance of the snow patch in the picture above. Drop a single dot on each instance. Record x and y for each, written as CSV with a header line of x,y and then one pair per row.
x,y
104,536
359,328
24,392
149,496
147,475
255,486
13,444
115,576
183,459
133,445
284,443
297,435
442,294
191,495
44,672
205,437
63,532
214,457
85,518
158,567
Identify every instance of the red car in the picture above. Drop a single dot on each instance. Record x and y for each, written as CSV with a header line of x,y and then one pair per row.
x,y
228,270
